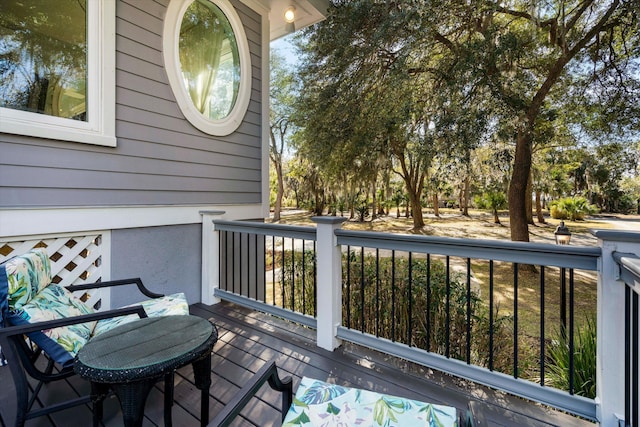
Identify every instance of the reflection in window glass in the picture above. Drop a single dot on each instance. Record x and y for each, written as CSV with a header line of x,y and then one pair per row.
x,y
209,59
43,57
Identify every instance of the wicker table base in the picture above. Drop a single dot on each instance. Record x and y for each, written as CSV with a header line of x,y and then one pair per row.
x,y
131,358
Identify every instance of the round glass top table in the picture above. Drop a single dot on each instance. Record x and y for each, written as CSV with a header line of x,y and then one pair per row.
x,y
132,357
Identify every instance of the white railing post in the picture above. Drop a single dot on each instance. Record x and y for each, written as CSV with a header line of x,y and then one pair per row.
x,y
329,277
610,362
210,257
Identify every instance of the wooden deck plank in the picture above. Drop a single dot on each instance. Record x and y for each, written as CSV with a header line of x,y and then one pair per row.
x,y
249,339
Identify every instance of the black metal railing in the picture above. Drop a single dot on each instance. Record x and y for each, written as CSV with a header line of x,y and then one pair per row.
x,y
270,264
511,315
630,274
520,309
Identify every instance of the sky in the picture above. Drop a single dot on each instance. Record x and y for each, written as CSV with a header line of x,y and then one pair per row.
x,y
286,49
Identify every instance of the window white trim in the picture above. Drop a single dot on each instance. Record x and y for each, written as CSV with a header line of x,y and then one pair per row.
x,y
100,127
171,34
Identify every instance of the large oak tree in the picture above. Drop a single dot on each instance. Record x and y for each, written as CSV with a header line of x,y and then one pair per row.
x,y
514,61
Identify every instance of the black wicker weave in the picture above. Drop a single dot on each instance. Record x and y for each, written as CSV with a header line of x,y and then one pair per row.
x,y
132,357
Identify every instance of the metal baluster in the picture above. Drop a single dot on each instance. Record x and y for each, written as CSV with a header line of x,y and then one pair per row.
x,y
410,331
273,269
515,320
377,292
393,295
304,296
362,289
349,287
293,274
448,309
542,334
468,311
428,311
571,335
491,315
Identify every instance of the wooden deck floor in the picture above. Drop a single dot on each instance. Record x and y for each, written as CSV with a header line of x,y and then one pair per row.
x,y
249,339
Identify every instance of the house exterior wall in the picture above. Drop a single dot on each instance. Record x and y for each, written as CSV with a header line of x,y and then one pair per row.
x,y
149,190
160,158
163,265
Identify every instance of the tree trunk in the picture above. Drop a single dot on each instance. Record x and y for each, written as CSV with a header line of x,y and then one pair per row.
x,y
374,204
416,211
465,206
529,199
496,218
518,188
280,191
539,207
436,207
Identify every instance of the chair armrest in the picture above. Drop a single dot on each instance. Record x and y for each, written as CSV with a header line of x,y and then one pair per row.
x,y
57,323
269,373
475,415
137,281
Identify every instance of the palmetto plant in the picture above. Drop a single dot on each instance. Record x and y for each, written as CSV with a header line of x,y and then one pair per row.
x,y
573,208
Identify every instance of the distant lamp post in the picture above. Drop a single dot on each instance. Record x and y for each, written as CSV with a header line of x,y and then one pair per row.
x,y
563,235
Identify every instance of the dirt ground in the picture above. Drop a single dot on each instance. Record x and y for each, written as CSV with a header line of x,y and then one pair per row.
x,y
479,225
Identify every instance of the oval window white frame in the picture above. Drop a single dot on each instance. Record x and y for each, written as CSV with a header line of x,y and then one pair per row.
x,y
171,34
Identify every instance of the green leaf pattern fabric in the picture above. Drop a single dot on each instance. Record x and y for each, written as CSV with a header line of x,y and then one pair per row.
x,y
55,302
27,275
321,404
169,305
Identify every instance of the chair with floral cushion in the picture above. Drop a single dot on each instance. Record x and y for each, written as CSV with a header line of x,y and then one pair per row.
x,y
318,403
43,325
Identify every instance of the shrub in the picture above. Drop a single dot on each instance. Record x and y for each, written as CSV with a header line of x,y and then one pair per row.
x,y
573,208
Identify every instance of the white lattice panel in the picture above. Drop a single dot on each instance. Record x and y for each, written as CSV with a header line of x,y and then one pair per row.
x,y
75,259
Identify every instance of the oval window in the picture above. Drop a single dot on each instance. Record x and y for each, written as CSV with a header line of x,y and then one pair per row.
x,y
208,63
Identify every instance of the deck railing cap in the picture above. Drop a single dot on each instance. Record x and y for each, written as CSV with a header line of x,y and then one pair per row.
x,y
617,235
328,219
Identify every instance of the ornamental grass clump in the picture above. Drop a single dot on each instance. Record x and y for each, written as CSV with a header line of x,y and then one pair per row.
x,y
584,361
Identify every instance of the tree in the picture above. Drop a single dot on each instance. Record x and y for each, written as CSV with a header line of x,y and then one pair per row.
x,y
411,79
282,101
520,54
493,200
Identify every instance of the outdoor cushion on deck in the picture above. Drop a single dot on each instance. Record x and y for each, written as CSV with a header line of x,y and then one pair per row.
x,y
318,403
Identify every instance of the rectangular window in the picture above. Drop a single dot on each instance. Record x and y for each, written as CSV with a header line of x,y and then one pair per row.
x,y
57,65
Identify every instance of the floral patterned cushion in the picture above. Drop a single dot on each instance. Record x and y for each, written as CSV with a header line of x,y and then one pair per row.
x,y
321,404
27,275
56,302
170,305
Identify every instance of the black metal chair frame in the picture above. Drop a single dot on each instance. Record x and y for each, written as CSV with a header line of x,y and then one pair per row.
x,y
269,373
23,356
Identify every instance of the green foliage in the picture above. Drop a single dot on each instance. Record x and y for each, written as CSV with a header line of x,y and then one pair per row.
x,y
584,361
393,305
363,211
573,208
493,200
296,281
